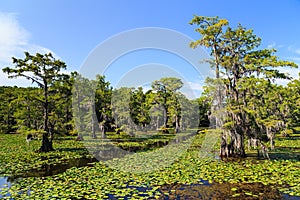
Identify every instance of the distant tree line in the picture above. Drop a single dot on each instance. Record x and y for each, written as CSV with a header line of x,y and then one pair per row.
x,y
242,101
72,104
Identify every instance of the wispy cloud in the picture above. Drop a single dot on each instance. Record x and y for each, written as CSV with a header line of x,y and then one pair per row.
x,y
297,51
14,40
13,37
272,45
275,45
294,50
291,71
295,57
193,90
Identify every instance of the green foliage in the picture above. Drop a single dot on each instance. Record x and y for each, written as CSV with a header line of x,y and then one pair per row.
x,y
121,108
139,107
45,71
204,104
251,104
17,157
166,95
189,168
7,109
103,95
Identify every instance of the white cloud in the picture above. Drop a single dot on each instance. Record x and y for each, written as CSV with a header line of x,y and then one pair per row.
x,y
289,70
14,40
192,90
290,48
297,51
294,50
275,45
294,59
13,37
293,73
270,46
198,86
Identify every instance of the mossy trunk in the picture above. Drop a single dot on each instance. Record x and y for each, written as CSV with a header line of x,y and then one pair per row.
x,y
238,146
233,147
103,130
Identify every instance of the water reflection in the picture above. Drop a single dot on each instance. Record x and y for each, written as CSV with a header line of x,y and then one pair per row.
x,y
53,169
4,184
45,170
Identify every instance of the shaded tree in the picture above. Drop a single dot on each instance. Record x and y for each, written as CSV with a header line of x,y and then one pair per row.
x,y
27,113
121,109
7,108
60,107
236,58
165,90
103,95
42,70
139,107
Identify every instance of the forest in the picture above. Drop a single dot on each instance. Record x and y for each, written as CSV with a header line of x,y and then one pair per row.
x,y
253,119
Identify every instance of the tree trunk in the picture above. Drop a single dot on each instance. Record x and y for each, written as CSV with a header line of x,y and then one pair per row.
x,y
46,144
238,147
93,128
103,130
234,148
223,147
79,137
93,120
166,117
252,142
270,136
272,143
80,128
177,125
249,143
46,114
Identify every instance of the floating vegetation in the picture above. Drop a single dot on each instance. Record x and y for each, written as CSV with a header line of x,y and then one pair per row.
x,y
244,178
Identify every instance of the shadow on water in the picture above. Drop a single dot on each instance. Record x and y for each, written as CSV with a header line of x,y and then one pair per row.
x,y
150,144
278,154
215,191
204,190
53,169
71,149
223,191
104,149
46,170
49,170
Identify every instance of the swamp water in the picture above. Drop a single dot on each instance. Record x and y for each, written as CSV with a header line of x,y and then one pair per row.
x,y
220,191
204,190
46,170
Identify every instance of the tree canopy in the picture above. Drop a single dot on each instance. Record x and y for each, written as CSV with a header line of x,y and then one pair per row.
x,y
45,71
240,65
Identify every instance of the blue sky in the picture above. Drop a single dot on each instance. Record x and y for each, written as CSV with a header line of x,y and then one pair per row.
x,y
72,29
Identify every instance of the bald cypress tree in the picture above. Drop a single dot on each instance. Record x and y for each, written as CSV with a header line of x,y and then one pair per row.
x,y
42,70
237,60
